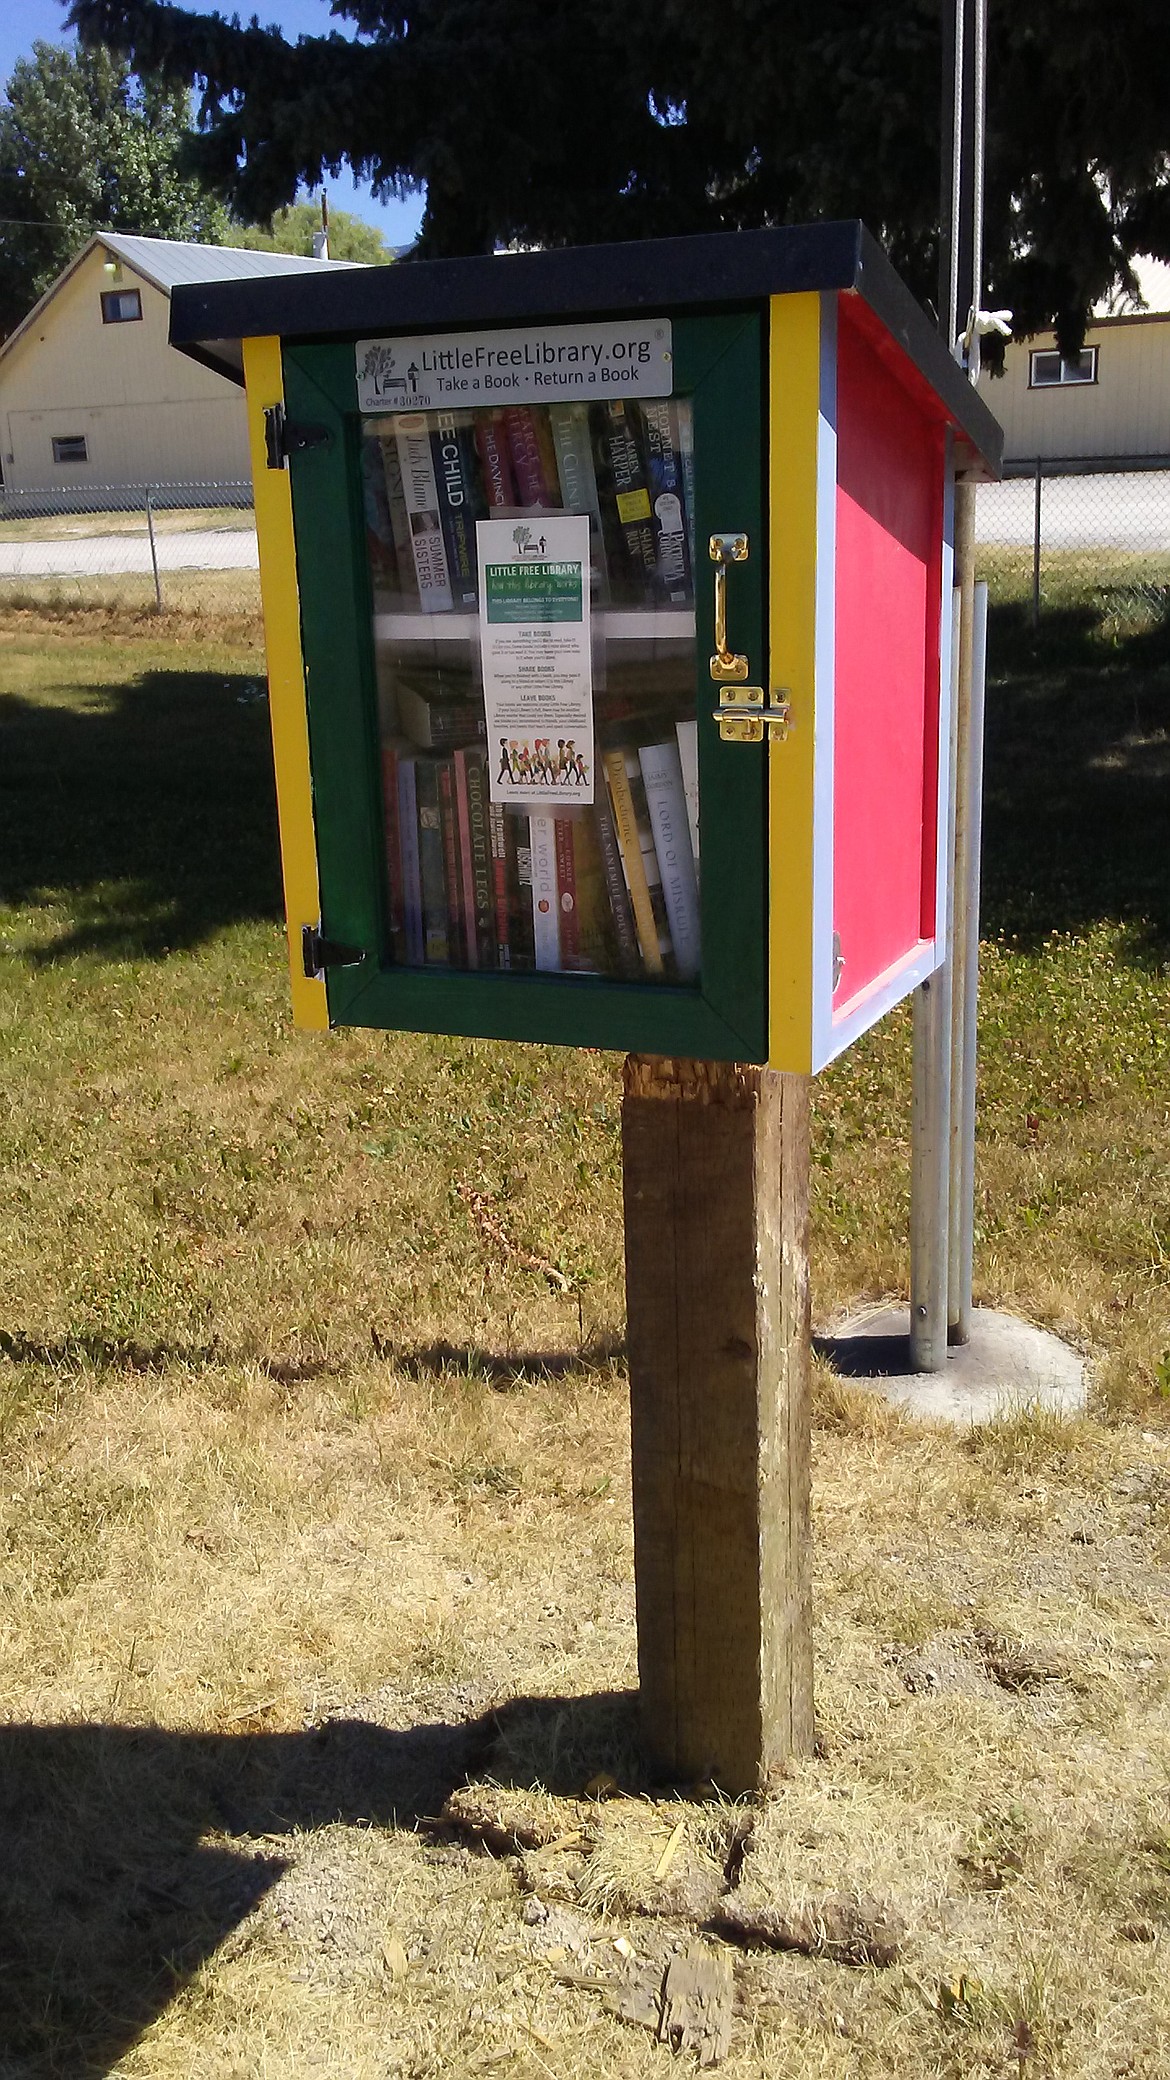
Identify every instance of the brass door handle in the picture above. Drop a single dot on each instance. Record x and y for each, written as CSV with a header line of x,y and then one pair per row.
x,y
724,549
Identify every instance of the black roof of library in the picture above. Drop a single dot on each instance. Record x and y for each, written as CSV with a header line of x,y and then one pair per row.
x,y
713,270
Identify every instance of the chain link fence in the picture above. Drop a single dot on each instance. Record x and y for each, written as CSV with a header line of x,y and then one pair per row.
x,y
1064,538
1056,537
178,549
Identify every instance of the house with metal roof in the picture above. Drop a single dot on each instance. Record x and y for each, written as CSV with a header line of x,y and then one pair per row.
x,y
91,394
1110,402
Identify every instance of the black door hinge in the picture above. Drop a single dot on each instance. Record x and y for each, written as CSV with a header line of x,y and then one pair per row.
x,y
284,436
319,953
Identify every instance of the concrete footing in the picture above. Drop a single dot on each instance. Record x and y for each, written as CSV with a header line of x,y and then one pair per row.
x,y
1008,1365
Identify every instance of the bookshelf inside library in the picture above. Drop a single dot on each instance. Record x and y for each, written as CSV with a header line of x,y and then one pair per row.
x,y
596,870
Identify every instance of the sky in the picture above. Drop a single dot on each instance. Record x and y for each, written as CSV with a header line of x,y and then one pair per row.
x,y
26,22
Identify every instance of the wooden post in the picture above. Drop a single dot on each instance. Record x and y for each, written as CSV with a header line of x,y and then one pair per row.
x,y
717,1298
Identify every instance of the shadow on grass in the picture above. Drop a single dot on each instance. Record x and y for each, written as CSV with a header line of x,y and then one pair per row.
x,y
148,817
1076,794
119,1875
503,1370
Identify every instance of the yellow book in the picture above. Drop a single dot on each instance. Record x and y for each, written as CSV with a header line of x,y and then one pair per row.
x,y
630,846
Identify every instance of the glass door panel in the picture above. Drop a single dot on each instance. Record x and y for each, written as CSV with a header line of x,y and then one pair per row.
x,y
597,870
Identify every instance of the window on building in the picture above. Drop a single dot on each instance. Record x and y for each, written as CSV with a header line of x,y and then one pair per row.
x,y
1048,368
120,306
70,447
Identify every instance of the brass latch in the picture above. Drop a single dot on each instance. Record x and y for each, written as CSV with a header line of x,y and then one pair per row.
x,y
746,714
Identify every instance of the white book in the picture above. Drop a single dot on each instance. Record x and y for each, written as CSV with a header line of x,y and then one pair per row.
x,y
542,832
687,733
666,799
421,493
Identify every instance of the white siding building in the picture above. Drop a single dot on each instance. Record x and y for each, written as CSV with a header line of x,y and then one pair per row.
x,y
1111,400
90,391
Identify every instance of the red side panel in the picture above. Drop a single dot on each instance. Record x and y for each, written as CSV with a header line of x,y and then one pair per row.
x,y
889,540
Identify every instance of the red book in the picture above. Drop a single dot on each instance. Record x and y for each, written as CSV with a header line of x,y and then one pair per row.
x,y
394,878
499,838
491,440
567,892
524,449
448,818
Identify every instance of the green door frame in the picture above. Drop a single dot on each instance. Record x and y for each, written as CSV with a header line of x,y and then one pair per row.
x,y
719,363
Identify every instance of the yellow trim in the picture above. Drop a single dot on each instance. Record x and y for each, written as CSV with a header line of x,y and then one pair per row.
x,y
795,389
264,375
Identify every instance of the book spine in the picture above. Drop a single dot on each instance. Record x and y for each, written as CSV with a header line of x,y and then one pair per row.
x,y
379,530
449,822
631,493
491,440
664,472
667,804
395,900
630,846
422,506
399,517
687,732
499,840
546,447
482,874
411,868
685,441
545,932
570,937
451,451
524,452
432,871
522,924
569,424
466,874
615,883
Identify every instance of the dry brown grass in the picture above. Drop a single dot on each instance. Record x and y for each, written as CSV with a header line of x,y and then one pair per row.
x,y
314,1503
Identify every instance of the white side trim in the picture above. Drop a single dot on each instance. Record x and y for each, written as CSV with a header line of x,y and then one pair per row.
x,y
824,783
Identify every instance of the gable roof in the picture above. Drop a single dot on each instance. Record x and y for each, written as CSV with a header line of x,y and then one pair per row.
x,y
165,262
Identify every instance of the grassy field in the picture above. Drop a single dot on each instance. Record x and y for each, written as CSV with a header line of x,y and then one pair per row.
x,y
57,527
314,1492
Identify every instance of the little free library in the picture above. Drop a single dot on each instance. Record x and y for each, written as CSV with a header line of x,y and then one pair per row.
x,y
608,597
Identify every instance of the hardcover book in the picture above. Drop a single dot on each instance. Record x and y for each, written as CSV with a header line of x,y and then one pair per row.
x,y
491,441
524,449
471,794
633,858
545,925
630,491
421,494
453,451
432,866
412,909
666,802
664,470
449,820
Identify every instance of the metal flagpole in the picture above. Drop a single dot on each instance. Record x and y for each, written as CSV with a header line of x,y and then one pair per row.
x,y
942,1065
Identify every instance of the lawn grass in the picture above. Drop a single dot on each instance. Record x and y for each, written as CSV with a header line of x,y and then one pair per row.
x,y
56,527
314,1496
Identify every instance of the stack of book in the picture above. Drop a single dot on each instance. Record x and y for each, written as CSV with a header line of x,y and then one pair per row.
x,y
428,477
611,888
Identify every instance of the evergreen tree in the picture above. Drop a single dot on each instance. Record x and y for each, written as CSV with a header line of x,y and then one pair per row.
x,y
574,124
86,145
